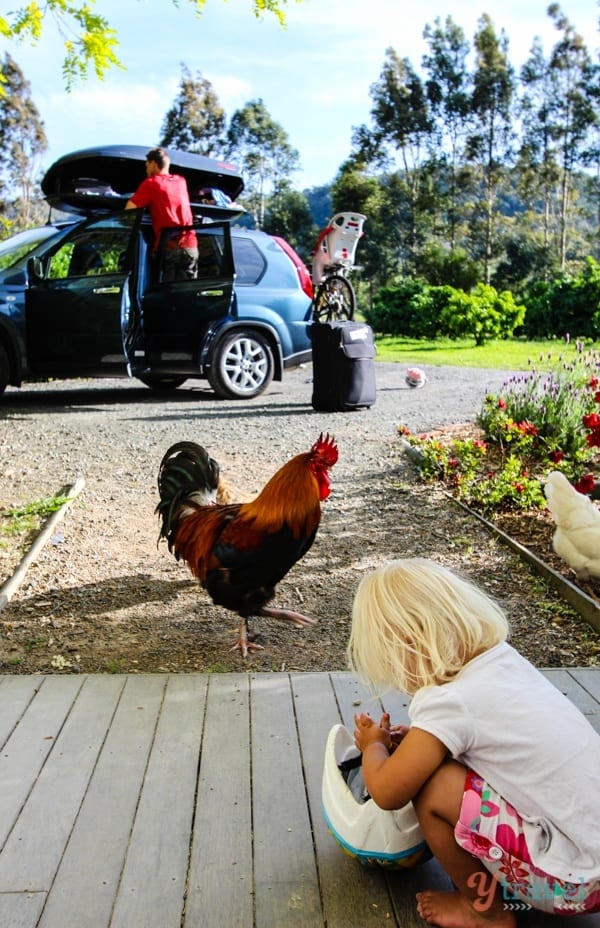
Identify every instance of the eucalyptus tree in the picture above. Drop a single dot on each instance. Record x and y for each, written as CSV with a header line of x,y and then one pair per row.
x,y
288,214
574,112
262,151
591,178
23,142
488,146
196,121
399,140
379,198
538,171
448,91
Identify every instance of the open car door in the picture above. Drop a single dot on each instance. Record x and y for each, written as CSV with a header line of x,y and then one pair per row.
x,y
166,322
73,301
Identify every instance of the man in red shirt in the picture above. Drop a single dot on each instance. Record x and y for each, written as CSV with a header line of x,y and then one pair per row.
x,y
166,196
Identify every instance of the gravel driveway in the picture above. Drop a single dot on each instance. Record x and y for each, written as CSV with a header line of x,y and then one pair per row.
x,y
102,596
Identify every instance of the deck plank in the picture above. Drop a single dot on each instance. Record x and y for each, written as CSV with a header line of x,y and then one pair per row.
x,y
26,750
163,823
589,679
20,910
220,876
569,684
88,877
36,844
15,695
285,875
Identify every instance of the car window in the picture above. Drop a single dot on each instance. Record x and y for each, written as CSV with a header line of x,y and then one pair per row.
x,y
19,246
208,240
249,262
92,253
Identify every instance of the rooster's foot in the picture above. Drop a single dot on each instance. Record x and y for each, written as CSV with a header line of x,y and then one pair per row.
x,y
245,642
287,615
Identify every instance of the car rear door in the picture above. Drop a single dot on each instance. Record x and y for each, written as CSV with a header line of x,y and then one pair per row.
x,y
73,309
172,317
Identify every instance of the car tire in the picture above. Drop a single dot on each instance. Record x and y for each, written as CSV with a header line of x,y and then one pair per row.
x,y
162,384
4,370
242,365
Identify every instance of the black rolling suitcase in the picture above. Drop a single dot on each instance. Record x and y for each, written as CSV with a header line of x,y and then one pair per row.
x,y
343,355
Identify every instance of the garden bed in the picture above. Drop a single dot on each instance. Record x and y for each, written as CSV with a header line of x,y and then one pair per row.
x,y
529,532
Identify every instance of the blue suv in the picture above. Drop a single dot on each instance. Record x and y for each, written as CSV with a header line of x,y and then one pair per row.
x,y
82,298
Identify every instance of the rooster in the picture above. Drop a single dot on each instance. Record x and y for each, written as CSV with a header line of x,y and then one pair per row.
x,y
577,536
240,551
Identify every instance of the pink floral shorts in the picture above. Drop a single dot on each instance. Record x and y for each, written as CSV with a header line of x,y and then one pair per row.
x,y
489,828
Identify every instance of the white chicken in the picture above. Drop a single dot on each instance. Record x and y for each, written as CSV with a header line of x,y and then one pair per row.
x,y
577,536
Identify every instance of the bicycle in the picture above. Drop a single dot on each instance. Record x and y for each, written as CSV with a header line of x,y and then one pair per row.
x,y
334,299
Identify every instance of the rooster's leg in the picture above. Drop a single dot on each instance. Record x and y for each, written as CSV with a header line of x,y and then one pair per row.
x,y
287,615
244,641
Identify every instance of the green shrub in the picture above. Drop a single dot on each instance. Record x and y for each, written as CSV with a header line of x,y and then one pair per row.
x,y
403,309
566,305
441,267
483,314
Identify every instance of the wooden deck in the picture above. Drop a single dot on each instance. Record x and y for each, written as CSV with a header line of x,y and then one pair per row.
x,y
192,801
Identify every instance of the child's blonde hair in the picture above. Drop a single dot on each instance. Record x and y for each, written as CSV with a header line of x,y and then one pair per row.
x,y
416,623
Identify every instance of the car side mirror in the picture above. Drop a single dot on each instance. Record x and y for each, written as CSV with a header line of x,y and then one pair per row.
x,y
35,270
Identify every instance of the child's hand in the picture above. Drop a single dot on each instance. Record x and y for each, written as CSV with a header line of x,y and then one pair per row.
x,y
397,732
367,732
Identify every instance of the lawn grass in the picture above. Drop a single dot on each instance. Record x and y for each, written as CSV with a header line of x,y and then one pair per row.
x,y
512,354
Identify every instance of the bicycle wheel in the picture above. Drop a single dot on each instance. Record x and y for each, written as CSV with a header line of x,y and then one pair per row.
x,y
334,300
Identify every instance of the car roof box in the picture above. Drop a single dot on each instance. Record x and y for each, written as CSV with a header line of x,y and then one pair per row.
x,y
101,180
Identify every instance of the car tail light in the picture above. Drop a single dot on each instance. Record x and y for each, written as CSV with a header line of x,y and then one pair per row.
x,y
302,270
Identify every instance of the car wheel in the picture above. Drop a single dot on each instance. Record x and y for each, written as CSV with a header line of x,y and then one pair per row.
x,y
242,366
4,370
162,384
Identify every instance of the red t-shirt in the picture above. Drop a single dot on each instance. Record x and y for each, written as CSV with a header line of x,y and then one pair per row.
x,y
166,196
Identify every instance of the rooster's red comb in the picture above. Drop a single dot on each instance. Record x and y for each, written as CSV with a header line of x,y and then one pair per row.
x,y
326,449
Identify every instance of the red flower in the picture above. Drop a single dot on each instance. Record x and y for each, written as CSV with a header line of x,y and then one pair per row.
x,y
586,484
519,487
481,445
453,462
593,439
556,456
593,382
597,396
403,430
527,428
591,421
501,403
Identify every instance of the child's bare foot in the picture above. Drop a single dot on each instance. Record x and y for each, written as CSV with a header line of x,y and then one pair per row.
x,y
453,910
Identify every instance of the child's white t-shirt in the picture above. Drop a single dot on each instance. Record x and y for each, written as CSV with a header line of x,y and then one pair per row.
x,y
503,719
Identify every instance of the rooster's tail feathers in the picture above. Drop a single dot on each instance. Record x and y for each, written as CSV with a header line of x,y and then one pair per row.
x,y
187,473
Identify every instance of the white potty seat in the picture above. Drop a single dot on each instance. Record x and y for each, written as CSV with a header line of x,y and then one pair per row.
x,y
373,835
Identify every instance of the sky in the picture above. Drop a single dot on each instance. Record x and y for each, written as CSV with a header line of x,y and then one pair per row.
x,y
313,76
